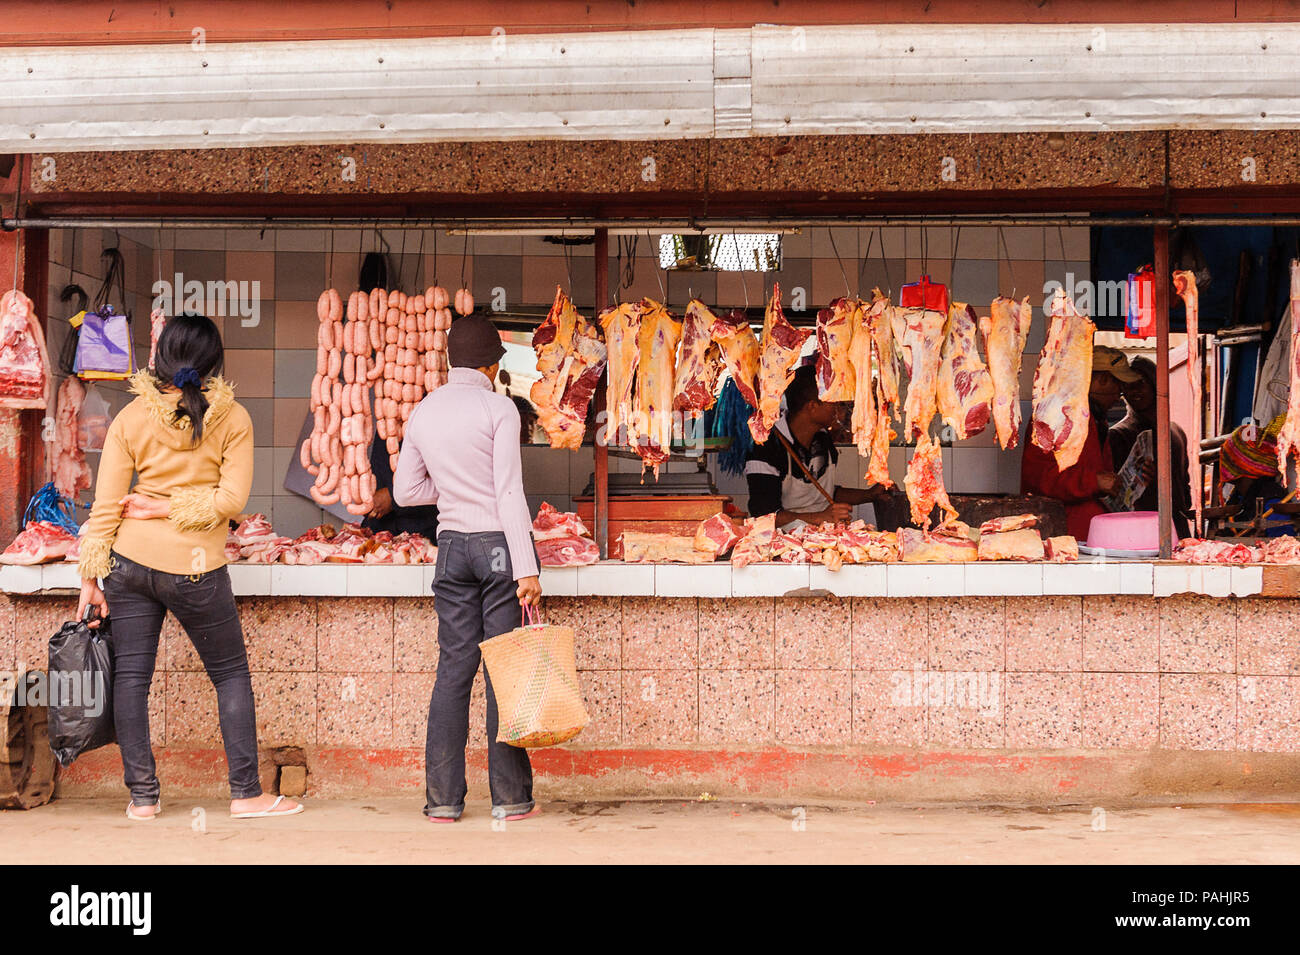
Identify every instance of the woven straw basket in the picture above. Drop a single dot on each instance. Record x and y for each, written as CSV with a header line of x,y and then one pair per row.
x,y
535,679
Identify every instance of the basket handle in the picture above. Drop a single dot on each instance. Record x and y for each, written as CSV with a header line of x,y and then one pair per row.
x,y
528,616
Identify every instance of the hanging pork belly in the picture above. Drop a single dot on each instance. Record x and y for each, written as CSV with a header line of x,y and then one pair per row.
x,y
571,357
1005,331
781,345
1061,417
24,364
657,341
699,364
965,392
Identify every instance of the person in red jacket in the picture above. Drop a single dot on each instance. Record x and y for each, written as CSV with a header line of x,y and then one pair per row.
x,y
1081,486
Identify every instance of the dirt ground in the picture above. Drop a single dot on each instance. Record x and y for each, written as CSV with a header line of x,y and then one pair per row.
x,y
658,831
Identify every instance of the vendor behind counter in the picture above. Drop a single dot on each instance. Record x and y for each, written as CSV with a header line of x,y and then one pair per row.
x,y
1082,486
779,486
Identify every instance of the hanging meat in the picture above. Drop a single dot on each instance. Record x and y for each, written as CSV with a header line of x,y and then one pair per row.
x,y
781,345
356,423
1185,286
157,319
740,352
924,483
570,376
836,327
1288,439
71,473
24,364
699,364
1005,331
1060,413
965,392
918,333
874,395
621,326
657,341
322,453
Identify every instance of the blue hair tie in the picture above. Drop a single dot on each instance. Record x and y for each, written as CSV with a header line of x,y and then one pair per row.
x,y
186,376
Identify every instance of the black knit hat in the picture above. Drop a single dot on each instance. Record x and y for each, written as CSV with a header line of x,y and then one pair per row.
x,y
473,342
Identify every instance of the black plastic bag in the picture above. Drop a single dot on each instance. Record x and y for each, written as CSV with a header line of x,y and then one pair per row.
x,y
80,688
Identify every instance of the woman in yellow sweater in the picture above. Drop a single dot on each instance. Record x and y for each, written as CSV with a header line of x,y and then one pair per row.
x,y
160,546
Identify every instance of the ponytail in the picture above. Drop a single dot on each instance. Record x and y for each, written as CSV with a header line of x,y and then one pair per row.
x,y
192,403
189,352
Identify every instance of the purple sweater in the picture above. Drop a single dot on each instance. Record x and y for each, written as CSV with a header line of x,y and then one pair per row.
x,y
461,452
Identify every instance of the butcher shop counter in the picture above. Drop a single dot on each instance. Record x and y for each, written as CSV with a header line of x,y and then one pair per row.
x,y
613,578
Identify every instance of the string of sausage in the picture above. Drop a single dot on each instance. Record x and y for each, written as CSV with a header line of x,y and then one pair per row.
x,y
393,343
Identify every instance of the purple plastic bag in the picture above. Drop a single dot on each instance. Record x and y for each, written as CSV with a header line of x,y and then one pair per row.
x,y
104,345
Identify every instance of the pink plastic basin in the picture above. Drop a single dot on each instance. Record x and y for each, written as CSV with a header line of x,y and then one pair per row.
x,y
1130,530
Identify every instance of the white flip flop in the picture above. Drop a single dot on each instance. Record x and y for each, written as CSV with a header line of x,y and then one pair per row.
x,y
269,811
134,818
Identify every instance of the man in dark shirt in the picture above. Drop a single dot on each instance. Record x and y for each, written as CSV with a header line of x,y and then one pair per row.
x,y
385,515
779,486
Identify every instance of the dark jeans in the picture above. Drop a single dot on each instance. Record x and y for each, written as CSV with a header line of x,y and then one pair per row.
x,y
138,599
474,593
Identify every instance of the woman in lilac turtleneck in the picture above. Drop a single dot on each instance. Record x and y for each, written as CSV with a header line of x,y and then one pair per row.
x,y
461,452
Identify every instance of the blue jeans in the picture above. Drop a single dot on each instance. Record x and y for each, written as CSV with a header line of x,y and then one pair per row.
x,y
138,599
474,594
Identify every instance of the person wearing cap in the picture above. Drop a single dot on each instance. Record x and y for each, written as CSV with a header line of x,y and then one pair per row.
x,y
1140,397
461,452
1082,486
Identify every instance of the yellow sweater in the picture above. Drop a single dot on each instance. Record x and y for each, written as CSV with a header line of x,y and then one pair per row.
x,y
207,484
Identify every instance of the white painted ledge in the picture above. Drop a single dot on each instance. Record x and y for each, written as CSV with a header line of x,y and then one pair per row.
x,y
614,578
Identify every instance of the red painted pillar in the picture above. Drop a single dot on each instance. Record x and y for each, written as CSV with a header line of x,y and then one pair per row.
x,y
23,265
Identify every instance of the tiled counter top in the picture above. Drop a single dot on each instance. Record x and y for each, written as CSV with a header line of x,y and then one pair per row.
x,y
615,578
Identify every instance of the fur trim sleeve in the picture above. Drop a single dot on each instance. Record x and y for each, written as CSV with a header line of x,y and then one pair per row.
x,y
193,509
93,562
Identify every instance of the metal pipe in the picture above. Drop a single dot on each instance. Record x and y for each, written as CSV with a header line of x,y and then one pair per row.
x,y
600,474
1164,469
632,225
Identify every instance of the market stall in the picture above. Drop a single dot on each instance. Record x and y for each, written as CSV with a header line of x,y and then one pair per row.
x,y
716,636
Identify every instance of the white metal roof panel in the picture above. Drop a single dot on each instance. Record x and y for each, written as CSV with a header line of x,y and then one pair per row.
x,y
663,84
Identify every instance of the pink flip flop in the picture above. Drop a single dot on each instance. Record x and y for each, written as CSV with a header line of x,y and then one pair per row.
x,y
536,810
134,818
442,819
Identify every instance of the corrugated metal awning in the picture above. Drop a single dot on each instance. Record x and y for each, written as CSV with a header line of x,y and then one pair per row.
x,y
764,81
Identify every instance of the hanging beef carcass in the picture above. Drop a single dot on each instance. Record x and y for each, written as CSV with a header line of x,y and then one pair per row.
x,y
621,326
700,363
918,333
965,391
924,483
1005,331
780,348
71,473
874,394
740,352
24,364
1061,417
1288,439
836,326
657,340
570,376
